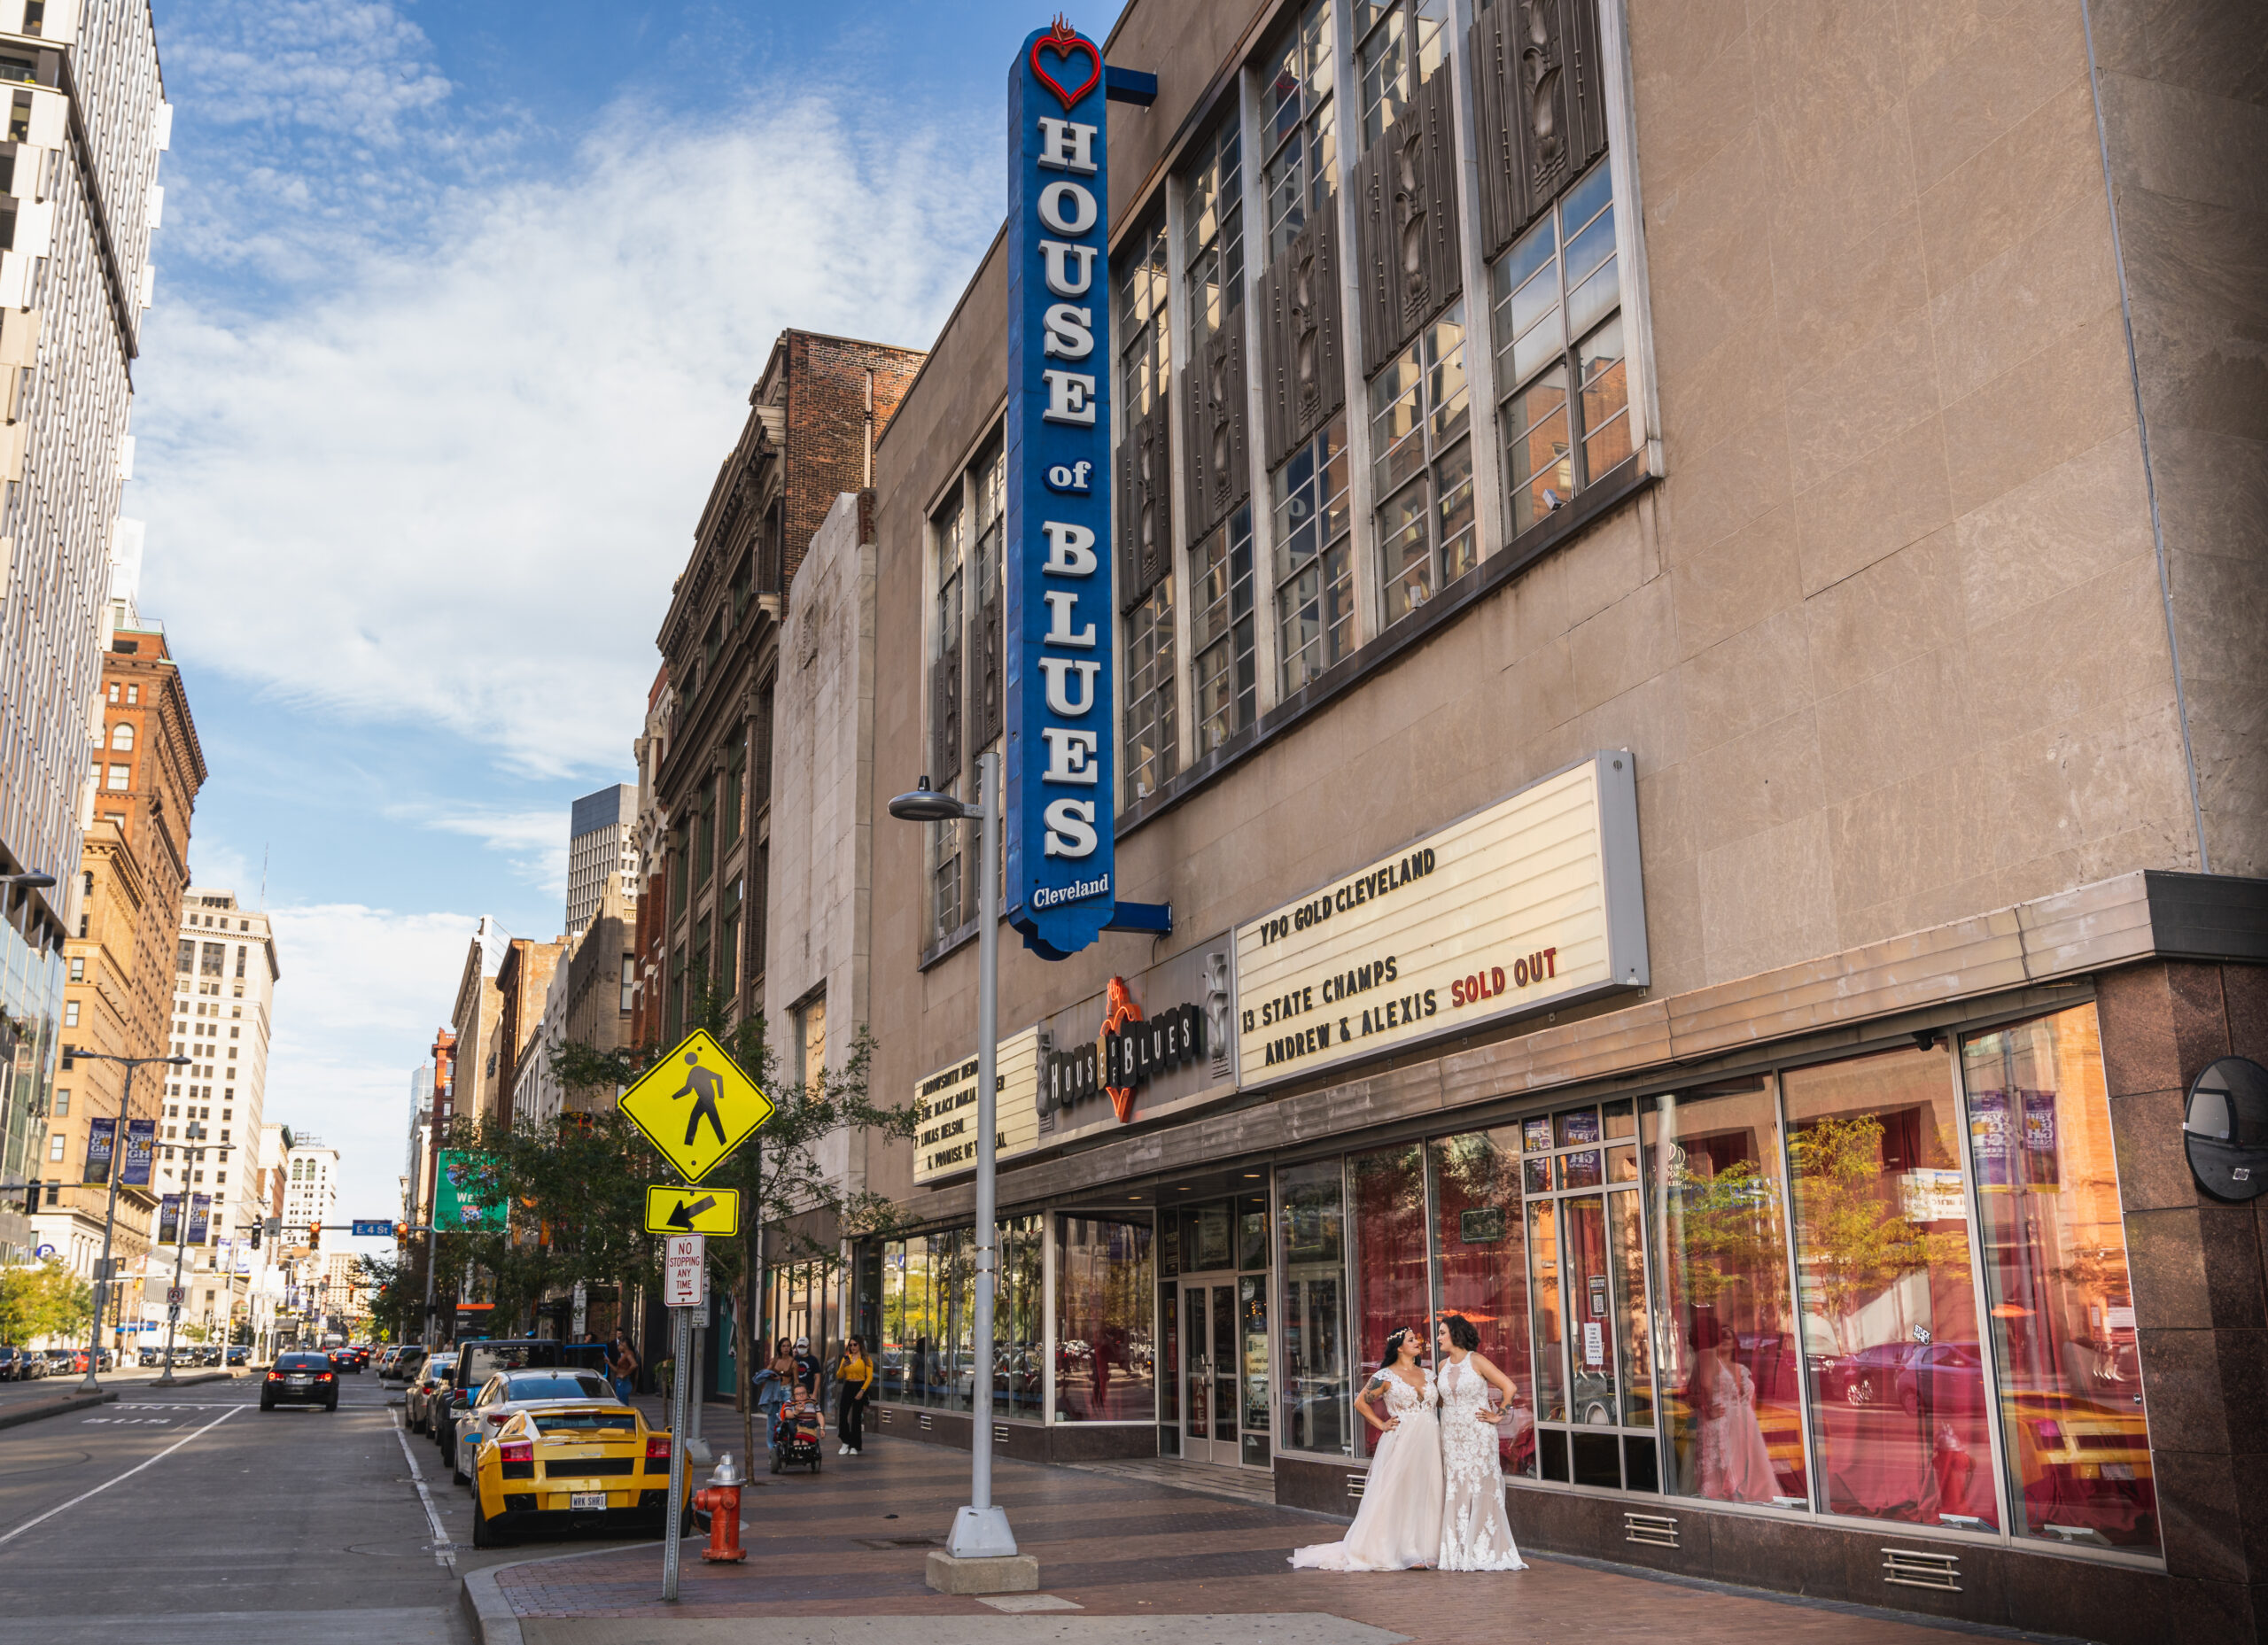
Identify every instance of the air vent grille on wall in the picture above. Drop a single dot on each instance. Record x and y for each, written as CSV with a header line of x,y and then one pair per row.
x,y
1912,1567
1649,1529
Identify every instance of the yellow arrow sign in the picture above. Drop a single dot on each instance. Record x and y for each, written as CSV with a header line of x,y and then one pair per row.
x,y
677,1210
695,1106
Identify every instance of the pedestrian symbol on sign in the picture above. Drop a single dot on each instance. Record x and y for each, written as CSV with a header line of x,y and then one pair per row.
x,y
705,1085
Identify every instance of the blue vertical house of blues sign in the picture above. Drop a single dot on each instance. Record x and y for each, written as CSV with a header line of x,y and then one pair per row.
x,y
1059,795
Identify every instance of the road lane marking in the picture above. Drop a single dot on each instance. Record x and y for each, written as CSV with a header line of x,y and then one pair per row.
x,y
128,1474
445,1548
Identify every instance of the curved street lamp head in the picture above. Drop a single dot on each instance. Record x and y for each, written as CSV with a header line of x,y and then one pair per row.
x,y
30,882
925,804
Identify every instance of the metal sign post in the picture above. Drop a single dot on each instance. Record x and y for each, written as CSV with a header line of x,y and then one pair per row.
x,y
685,1288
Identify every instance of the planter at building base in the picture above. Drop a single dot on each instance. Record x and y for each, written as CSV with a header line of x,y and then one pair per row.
x,y
1016,1573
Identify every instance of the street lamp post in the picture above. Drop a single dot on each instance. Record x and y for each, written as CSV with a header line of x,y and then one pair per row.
x,y
109,1215
979,1530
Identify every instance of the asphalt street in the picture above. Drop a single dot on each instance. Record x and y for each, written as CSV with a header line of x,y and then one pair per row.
x,y
195,1512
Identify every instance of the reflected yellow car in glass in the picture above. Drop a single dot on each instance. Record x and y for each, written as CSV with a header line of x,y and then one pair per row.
x,y
592,1467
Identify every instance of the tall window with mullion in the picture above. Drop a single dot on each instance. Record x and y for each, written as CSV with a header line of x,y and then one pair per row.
x,y
1151,729
1296,117
1219,467
988,677
1556,296
1397,44
1315,566
948,531
1221,631
1421,466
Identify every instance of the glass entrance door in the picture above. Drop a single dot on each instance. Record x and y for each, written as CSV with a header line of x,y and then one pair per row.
x,y
1209,1367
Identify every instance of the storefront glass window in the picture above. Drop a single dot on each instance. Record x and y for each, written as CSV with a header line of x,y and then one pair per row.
x,y
923,1370
1732,1364
1021,1351
2073,1431
889,1353
1252,1368
957,1270
1482,1263
1312,1229
1105,1369
1900,1426
1391,1258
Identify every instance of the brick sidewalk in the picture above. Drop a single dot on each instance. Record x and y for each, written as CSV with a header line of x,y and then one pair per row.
x,y
852,1542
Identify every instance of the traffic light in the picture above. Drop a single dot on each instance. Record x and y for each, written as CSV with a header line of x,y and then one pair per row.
x,y
315,1233
255,1236
401,1233
31,1199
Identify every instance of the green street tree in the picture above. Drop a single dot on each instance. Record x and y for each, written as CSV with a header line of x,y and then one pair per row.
x,y
43,1300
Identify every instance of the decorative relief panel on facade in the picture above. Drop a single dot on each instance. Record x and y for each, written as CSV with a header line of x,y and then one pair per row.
x,y
1405,223
1220,473
1144,505
1304,379
1539,108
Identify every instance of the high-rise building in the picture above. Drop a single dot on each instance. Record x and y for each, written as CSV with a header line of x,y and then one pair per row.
x,y
224,989
133,867
311,1195
601,844
86,119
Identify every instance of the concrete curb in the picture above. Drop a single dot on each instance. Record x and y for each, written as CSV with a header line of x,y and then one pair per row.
x,y
492,1613
85,1401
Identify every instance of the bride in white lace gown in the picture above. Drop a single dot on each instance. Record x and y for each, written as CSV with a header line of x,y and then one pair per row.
x,y
1399,1525
1475,1535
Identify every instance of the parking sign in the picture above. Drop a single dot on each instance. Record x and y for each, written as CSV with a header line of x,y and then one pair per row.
x,y
685,1284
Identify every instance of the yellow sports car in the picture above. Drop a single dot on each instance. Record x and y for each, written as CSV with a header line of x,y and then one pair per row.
x,y
592,1467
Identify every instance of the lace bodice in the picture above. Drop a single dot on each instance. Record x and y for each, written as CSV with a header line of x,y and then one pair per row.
x,y
1402,1400
1464,1392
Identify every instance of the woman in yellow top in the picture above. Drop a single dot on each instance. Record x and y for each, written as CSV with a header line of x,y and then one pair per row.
x,y
854,1385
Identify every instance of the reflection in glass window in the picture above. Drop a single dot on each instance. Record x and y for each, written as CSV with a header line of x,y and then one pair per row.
x,y
1019,1344
1732,1364
1311,1220
1482,1264
1556,298
1213,235
2074,1433
1399,45
1105,1369
1898,1421
1315,567
1153,751
1221,637
1295,115
1391,1265
1422,466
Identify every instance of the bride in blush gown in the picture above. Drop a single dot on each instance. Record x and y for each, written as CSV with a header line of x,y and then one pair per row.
x,y
1475,1535
1399,1525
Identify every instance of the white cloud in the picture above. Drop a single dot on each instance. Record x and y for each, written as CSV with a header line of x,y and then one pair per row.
x,y
452,490
361,993
535,841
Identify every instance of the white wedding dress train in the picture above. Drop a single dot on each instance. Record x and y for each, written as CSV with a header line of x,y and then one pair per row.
x,y
1475,1535
1399,1525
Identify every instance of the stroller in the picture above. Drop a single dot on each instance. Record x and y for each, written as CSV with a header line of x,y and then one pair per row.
x,y
795,1435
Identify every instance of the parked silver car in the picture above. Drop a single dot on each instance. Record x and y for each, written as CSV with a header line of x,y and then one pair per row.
x,y
428,1389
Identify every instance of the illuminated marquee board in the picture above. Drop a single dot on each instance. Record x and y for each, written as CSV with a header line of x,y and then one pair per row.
x,y
1528,904
1060,889
945,1143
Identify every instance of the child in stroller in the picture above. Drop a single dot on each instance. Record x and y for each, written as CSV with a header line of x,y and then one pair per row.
x,y
796,1434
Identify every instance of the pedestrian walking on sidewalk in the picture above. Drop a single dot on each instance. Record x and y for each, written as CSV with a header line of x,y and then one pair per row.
x,y
854,1385
772,1385
622,1364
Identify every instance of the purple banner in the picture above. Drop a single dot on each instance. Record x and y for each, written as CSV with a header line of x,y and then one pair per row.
x,y
102,1142
200,1218
169,1220
141,1143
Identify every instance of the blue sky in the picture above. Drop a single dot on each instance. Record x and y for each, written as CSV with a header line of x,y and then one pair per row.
x,y
458,306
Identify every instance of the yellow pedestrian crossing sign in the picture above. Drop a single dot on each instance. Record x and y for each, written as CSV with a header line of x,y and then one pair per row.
x,y
695,1106
678,1210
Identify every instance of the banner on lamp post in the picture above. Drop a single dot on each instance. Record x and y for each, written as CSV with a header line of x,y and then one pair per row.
x,y
169,1220
141,1143
101,1141
201,1215
1056,574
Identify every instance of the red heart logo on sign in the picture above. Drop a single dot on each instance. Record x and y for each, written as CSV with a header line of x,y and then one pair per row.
x,y
1065,42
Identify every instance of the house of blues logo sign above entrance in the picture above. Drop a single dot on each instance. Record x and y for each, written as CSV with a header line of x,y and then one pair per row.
x,y
1060,889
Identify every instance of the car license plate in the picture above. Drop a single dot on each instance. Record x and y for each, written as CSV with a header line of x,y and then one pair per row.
x,y
578,1500
298,1382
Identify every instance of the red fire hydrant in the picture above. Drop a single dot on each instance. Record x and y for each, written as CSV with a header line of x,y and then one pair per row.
x,y
721,1501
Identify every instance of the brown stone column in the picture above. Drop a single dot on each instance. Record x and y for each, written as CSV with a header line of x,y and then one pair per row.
x,y
2201,1300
